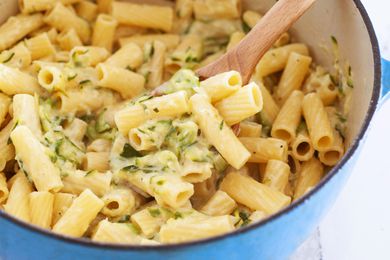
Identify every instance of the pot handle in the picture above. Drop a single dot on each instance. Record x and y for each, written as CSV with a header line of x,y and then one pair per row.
x,y
385,77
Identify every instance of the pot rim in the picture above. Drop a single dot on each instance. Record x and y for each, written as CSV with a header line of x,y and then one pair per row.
x,y
351,151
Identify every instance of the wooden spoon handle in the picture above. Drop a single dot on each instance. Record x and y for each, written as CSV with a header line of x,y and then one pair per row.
x,y
244,57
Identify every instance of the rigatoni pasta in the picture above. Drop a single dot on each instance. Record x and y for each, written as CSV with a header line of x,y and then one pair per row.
x,y
222,85
170,40
244,103
18,27
276,175
219,204
276,59
63,19
25,112
217,132
129,56
103,32
206,9
264,149
41,208
179,230
317,122
310,174
18,202
34,159
293,76
40,46
61,203
80,214
250,129
143,15
302,148
87,10
287,121
68,39
253,194
13,81
127,83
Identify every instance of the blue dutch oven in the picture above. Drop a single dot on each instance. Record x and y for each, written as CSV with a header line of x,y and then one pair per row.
x,y
278,236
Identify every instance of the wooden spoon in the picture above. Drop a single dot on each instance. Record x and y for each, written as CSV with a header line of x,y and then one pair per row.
x,y
245,56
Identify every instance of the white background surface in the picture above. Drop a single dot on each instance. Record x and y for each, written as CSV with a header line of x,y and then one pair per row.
x,y
358,227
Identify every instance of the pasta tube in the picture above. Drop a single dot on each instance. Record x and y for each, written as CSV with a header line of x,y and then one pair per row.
x,y
32,6
334,153
156,65
104,6
287,121
13,81
75,131
104,31
78,181
52,79
253,194
129,56
88,56
77,218
317,120
25,112
167,189
170,105
276,175
265,149
217,132
18,27
213,9
310,175
18,199
41,208
244,103
127,83
293,76
40,46
276,59
302,148
85,100
18,56
219,204
170,40
181,230
62,202
68,39
119,202
250,129
34,159
143,15
64,19
270,108
97,161
222,85
195,172
121,233
99,145
87,10
150,219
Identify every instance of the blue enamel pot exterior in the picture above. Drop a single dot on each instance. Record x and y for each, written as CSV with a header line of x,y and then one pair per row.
x,y
274,238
